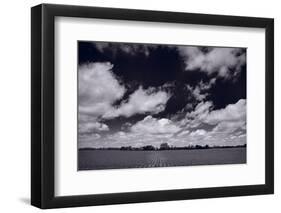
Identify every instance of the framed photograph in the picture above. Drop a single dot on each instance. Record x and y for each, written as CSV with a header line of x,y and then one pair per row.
x,y
140,106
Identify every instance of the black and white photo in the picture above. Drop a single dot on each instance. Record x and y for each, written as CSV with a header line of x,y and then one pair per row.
x,y
132,106
159,105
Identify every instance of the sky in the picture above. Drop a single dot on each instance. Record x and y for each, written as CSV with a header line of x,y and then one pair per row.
x,y
146,94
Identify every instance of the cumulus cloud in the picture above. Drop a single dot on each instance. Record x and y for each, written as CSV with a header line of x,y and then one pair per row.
x,y
198,132
229,126
225,62
140,102
98,88
88,140
183,133
148,131
229,119
196,93
231,113
204,113
200,91
102,96
155,126
92,127
226,120
204,125
196,117
224,129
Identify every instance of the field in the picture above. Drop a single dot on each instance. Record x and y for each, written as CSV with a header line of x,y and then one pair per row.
x,y
117,159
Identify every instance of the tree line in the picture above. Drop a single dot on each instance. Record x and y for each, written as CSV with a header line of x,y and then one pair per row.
x,y
163,146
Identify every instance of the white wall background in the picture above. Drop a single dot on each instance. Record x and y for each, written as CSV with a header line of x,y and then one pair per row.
x,y
15,105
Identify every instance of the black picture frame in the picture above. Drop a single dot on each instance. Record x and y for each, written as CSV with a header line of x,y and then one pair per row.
x,y
43,102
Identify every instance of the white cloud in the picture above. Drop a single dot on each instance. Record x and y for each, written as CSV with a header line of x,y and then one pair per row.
x,y
222,123
207,85
225,62
140,102
134,49
204,113
184,133
92,127
131,49
89,140
202,108
229,126
153,131
198,132
231,113
197,93
155,126
200,91
98,88
195,118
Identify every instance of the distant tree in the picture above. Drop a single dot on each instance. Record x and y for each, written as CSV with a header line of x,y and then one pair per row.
x,y
126,148
148,147
198,147
164,146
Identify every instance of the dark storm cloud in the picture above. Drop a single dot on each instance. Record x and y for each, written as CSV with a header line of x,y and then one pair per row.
x,y
137,94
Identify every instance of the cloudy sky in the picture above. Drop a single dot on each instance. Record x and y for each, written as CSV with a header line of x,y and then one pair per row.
x,y
144,94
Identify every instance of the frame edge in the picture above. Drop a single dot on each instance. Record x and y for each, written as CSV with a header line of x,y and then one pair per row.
x,y
269,117
36,85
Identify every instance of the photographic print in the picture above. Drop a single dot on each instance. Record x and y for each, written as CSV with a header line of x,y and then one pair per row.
x,y
159,105
176,92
